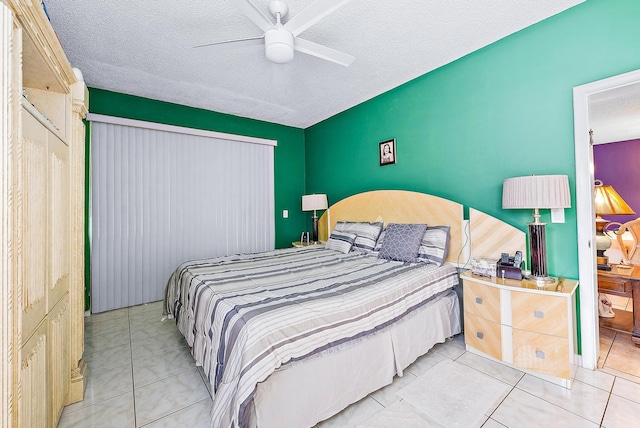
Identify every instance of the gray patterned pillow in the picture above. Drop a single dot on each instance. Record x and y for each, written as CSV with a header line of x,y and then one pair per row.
x,y
402,241
435,245
340,241
366,233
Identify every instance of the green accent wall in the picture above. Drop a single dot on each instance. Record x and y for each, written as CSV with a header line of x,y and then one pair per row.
x,y
503,111
289,154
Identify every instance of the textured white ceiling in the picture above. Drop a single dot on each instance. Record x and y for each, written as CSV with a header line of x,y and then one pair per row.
x,y
145,48
614,115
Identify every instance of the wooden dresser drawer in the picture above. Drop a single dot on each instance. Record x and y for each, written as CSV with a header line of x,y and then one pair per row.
x,y
482,301
540,313
541,353
619,286
483,335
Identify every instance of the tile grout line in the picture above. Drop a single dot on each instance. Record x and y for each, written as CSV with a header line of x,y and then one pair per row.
x,y
500,404
567,410
157,380
172,413
495,378
609,348
606,406
533,395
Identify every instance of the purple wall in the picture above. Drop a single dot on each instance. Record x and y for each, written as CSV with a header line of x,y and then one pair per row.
x,y
618,165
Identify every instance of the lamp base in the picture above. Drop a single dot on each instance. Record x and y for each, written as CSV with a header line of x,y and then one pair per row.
x,y
314,236
541,281
538,250
544,282
603,242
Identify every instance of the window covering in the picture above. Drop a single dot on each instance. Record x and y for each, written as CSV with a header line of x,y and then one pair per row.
x,y
160,198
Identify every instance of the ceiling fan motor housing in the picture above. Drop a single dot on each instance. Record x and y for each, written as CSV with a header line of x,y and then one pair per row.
x,y
279,45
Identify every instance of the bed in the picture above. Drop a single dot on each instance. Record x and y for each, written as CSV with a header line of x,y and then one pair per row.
x,y
290,337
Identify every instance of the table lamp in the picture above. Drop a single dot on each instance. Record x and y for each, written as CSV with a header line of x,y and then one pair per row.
x,y
537,192
313,203
606,201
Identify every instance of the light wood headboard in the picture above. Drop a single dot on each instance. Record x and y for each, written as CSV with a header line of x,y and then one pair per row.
x,y
398,206
490,237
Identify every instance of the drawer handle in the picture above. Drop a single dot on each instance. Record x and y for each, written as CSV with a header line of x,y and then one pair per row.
x,y
538,314
479,300
480,335
540,354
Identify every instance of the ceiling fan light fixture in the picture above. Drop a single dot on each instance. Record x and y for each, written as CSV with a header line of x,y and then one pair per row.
x,y
279,45
281,41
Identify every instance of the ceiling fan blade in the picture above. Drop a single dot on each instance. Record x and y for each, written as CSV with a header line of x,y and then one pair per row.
x,y
312,14
251,41
311,48
254,14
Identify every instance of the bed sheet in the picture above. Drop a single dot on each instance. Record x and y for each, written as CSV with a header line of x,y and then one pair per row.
x,y
246,316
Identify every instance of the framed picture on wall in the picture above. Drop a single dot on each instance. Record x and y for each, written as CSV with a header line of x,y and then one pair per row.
x,y
387,152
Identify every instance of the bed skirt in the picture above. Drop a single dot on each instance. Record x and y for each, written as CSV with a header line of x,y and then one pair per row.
x,y
307,393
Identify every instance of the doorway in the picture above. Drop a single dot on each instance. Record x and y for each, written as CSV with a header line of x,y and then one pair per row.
x,y
585,213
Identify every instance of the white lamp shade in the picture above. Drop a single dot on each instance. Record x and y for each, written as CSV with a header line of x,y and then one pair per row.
x,y
536,191
314,202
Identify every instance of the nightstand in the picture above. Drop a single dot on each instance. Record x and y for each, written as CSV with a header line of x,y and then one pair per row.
x,y
624,282
520,324
299,244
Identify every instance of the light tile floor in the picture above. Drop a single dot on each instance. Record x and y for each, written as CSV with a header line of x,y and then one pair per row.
x,y
141,374
622,303
618,354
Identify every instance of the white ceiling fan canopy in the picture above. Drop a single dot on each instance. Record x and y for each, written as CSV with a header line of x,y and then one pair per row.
x,y
278,7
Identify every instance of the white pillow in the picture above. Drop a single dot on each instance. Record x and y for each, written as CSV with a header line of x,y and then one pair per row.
x,y
435,245
340,241
366,233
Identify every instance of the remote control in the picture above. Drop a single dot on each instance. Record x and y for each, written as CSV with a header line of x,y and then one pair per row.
x,y
517,260
504,259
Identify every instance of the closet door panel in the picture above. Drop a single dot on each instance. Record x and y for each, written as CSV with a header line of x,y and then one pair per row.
x,y
59,357
33,403
33,256
59,220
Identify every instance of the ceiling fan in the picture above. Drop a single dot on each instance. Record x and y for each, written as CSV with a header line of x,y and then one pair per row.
x,y
280,40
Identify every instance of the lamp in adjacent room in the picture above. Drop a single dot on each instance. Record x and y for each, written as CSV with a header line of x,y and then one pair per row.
x,y
606,201
537,192
313,203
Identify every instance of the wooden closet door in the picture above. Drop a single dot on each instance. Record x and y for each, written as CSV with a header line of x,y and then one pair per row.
x,y
33,191
33,260
46,358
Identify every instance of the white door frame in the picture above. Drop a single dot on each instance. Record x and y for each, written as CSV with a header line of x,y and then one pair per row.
x,y
585,214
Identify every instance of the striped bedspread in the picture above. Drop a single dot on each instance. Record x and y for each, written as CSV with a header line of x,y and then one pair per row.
x,y
246,316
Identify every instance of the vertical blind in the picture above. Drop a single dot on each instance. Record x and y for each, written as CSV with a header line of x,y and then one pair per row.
x,y
160,198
